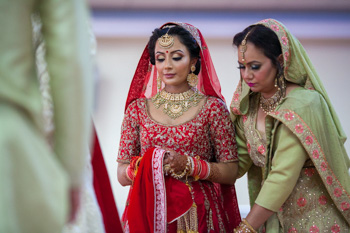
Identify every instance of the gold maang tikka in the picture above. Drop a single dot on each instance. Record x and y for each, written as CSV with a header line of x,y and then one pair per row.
x,y
243,45
166,40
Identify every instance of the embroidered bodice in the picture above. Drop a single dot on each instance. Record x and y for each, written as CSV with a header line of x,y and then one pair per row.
x,y
209,135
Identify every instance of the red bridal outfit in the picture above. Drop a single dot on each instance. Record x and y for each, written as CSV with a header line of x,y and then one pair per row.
x,y
157,202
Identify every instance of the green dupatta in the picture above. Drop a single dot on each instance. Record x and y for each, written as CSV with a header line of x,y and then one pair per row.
x,y
324,143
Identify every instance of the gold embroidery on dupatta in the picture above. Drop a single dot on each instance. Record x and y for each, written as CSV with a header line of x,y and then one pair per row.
x,y
256,143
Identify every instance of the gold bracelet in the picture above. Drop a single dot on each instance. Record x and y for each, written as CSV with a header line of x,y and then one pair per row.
x,y
186,170
244,227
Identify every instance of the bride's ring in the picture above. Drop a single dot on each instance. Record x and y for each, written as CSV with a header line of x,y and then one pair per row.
x,y
166,168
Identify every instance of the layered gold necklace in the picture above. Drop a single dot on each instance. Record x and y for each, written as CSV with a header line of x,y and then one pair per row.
x,y
174,105
268,105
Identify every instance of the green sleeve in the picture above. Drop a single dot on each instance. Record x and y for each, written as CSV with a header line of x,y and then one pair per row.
x,y
245,161
289,158
65,31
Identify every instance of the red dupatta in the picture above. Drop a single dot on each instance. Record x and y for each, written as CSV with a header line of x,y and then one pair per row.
x,y
103,190
155,200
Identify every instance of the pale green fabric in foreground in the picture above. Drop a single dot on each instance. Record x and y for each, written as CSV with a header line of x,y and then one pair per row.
x,y
299,168
34,179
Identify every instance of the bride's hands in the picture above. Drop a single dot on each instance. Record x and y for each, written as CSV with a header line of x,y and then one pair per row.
x,y
175,161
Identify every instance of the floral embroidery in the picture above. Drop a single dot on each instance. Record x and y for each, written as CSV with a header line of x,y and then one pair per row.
x,y
338,192
245,118
329,180
335,228
299,129
289,116
324,166
292,230
286,55
248,147
301,202
261,149
193,30
236,111
345,206
316,154
236,97
275,27
322,200
160,198
284,40
309,140
314,229
257,143
309,172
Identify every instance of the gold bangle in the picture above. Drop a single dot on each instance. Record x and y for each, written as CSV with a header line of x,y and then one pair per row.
x,y
244,227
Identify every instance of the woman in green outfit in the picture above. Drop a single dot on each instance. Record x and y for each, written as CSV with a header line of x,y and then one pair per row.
x,y
289,137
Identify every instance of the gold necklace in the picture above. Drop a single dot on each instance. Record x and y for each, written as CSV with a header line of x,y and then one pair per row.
x,y
174,105
268,105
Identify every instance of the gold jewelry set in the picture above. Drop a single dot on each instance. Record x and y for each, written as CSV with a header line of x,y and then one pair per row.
x,y
268,105
174,105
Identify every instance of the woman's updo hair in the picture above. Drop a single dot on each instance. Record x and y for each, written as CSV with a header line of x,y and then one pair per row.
x,y
185,38
263,38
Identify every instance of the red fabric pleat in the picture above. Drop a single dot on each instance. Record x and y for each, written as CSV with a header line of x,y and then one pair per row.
x,y
103,190
141,211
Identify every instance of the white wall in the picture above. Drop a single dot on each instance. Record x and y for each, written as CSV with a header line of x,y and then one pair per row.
x,y
118,57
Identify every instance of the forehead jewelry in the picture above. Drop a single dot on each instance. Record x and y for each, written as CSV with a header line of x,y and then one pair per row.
x,y
243,48
166,40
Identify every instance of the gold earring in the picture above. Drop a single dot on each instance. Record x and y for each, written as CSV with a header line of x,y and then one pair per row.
x,y
276,85
159,83
192,79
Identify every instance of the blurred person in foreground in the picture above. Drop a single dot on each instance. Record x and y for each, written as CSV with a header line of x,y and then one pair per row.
x,y
289,138
40,186
97,212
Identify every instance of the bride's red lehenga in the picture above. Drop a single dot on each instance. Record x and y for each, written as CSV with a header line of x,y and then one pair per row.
x,y
155,201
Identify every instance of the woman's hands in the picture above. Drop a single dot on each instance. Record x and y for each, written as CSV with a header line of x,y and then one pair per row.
x,y
175,161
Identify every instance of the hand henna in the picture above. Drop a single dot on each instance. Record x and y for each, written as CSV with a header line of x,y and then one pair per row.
x,y
176,161
215,173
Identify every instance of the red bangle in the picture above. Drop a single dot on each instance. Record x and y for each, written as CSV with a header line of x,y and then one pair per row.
x,y
204,170
130,173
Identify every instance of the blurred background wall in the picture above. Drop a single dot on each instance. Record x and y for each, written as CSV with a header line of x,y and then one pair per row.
x,y
123,27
